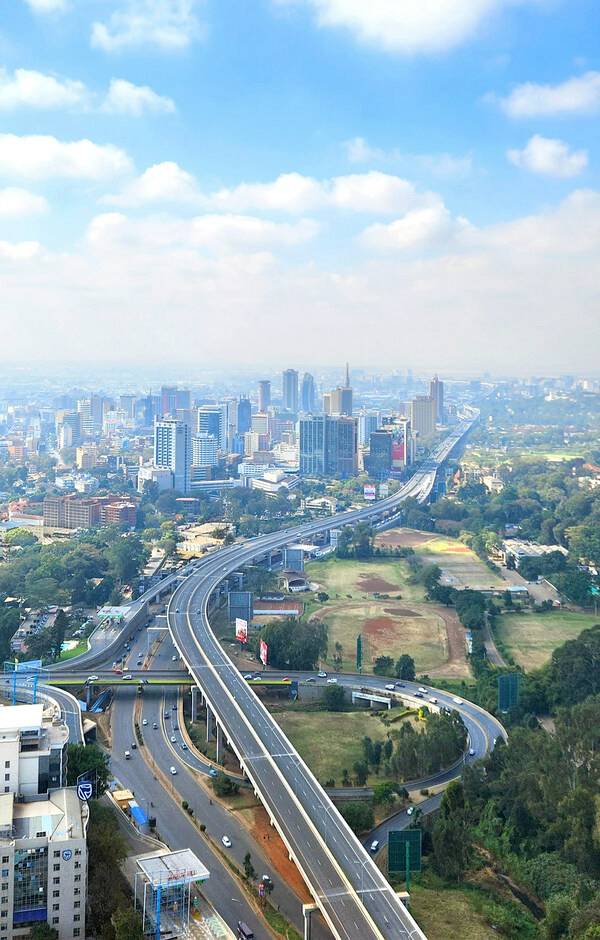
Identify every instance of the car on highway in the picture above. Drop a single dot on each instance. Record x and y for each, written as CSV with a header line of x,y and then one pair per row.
x,y
167,714
310,679
374,847
390,686
173,659
184,746
433,700
422,690
127,755
174,707
212,772
457,701
173,739
248,677
92,678
332,681
177,610
322,675
155,725
127,678
471,752
133,746
410,810
226,842
173,770
144,721
399,685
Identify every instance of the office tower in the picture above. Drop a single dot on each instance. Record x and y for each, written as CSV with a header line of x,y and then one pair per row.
x,y
436,391
422,415
127,405
244,415
327,403
145,411
42,828
264,395
183,399
173,451
260,422
92,412
290,390
204,450
212,419
313,445
308,397
328,445
68,429
379,463
168,400
340,398
366,424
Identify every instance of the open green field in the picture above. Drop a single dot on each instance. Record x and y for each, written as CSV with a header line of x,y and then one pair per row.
x,y
461,568
360,579
442,914
531,638
331,741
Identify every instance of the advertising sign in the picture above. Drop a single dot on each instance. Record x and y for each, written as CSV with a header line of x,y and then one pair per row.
x,y
241,630
264,652
370,491
404,851
384,491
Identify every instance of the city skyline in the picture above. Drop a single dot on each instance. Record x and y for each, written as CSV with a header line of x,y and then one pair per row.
x,y
347,174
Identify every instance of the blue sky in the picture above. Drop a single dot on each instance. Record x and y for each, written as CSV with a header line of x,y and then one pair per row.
x,y
225,170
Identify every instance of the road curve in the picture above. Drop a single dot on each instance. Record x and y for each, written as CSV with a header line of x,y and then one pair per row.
x,y
354,897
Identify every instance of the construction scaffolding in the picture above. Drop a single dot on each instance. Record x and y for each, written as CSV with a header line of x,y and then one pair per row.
x,y
163,889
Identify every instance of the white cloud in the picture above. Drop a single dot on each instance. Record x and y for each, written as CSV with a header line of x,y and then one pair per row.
x,y
579,95
161,183
134,100
497,290
169,25
47,6
549,157
25,88
43,157
418,229
220,233
408,26
17,203
19,251
443,165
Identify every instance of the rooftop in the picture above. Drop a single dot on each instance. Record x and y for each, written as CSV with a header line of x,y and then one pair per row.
x,y
173,868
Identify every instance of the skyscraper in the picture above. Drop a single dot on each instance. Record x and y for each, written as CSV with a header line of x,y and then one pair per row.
x,y
212,419
168,400
340,398
290,390
380,454
436,391
173,451
307,396
313,444
204,450
264,395
328,445
422,415
244,415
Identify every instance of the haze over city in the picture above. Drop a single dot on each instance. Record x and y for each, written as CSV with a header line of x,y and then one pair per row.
x,y
201,180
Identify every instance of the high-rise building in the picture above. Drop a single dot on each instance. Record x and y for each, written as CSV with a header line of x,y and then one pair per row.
x,y
42,828
173,450
264,395
379,463
212,419
183,399
244,415
340,398
308,396
422,415
328,445
436,391
168,400
366,424
68,429
290,390
205,450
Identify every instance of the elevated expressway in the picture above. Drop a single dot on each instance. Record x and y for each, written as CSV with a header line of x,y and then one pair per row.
x,y
355,899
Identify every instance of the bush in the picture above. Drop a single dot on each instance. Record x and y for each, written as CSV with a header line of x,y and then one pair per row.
x,y
224,785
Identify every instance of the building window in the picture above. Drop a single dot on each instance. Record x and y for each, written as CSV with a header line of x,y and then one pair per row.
x,y
5,859
76,890
56,894
55,907
77,878
76,903
55,920
57,853
76,917
76,932
7,776
7,764
56,867
3,913
77,864
77,851
4,899
56,881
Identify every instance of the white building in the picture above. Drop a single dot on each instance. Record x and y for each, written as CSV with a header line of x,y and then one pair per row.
x,y
33,750
205,449
159,475
173,451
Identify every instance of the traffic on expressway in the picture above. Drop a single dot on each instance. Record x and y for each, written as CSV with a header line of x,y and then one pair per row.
x,y
352,894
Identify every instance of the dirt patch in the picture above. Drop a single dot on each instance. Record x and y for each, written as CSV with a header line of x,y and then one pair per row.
x,y
457,655
403,538
401,612
374,585
268,838
380,628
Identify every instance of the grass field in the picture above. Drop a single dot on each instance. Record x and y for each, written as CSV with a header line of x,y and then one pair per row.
x,y
330,741
442,914
361,578
77,650
531,638
460,566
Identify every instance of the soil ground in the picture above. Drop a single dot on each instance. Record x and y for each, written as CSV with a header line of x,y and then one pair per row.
x,y
266,835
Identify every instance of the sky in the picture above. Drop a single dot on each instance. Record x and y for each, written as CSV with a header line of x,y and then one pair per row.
x,y
400,183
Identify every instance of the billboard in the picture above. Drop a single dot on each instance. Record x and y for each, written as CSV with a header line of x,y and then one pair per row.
x,y
404,846
397,455
264,652
508,690
370,491
241,630
384,491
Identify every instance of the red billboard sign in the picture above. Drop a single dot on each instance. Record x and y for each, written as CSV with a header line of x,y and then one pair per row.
x,y
264,652
241,630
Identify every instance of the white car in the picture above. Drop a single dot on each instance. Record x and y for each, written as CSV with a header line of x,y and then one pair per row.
x,y
422,690
471,752
92,678
322,675
173,659
144,721
127,678
173,770
390,687
226,842
332,681
457,701
410,810
173,739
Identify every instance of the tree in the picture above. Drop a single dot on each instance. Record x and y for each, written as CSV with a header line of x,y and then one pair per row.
x,y
405,668
82,758
249,871
224,785
451,839
43,932
361,772
334,698
358,815
384,666
127,924
295,644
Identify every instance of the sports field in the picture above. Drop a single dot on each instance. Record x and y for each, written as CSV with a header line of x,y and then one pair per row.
x,y
400,623
531,638
461,568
